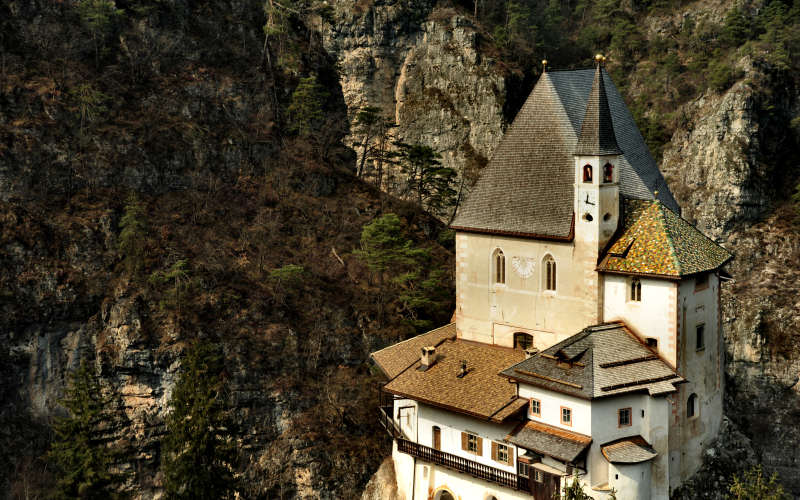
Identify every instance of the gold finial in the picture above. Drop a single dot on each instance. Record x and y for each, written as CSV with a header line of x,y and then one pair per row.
x,y
655,194
544,65
598,57
604,60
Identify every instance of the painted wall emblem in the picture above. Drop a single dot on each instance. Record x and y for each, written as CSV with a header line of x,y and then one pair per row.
x,y
523,266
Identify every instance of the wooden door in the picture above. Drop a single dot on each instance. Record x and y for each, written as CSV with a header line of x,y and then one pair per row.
x,y
544,486
437,438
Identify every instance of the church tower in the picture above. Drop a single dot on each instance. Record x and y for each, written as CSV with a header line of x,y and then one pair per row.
x,y
597,156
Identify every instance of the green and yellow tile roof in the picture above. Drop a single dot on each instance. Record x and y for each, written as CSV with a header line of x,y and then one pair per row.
x,y
655,240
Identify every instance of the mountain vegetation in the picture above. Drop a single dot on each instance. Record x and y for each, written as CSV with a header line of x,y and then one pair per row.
x,y
186,232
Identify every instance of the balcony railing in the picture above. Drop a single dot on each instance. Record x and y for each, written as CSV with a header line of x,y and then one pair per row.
x,y
388,423
461,464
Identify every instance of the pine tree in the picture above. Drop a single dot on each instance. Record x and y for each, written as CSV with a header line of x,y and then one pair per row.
x,y
133,230
81,458
305,111
198,450
430,183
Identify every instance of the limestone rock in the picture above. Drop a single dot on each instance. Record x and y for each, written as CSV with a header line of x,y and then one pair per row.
x,y
424,68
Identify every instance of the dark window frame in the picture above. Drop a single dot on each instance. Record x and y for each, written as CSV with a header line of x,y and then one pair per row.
x,y
625,411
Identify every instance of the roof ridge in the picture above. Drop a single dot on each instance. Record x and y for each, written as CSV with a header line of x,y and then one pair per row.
x,y
695,230
672,251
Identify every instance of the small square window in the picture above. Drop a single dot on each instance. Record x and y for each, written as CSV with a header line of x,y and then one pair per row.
x,y
536,407
524,469
566,416
624,417
700,341
472,443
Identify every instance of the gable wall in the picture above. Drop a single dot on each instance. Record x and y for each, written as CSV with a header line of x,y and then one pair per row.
x,y
654,316
491,313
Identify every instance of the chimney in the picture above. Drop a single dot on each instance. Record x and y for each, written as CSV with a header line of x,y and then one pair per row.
x,y
531,352
463,371
428,358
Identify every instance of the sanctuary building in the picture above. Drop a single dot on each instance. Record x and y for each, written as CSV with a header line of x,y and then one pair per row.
x,y
587,340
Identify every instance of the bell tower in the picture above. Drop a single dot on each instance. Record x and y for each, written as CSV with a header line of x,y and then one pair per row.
x,y
597,156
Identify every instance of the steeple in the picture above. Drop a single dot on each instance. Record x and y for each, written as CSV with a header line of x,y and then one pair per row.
x,y
597,131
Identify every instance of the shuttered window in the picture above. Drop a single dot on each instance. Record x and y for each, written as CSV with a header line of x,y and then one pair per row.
x,y
472,443
501,453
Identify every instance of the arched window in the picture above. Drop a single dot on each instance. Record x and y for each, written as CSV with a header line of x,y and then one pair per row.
x,y
549,273
636,290
691,406
587,173
608,173
499,263
522,340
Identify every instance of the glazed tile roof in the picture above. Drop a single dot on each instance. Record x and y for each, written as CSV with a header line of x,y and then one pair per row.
x,y
548,440
396,358
630,450
597,130
527,187
482,393
655,240
602,360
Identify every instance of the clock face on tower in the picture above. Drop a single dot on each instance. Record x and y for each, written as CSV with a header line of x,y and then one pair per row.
x,y
588,201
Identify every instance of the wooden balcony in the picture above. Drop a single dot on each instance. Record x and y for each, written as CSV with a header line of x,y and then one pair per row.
x,y
461,464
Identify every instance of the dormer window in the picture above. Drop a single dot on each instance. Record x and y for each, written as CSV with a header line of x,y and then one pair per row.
x,y
636,290
523,340
587,174
550,273
499,267
608,173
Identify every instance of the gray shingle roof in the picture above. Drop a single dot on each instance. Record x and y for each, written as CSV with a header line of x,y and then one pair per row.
x,y
602,360
548,440
527,188
597,130
629,450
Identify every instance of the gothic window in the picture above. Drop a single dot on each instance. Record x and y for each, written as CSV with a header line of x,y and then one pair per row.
x,y
522,340
549,273
587,174
608,173
691,406
499,264
636,290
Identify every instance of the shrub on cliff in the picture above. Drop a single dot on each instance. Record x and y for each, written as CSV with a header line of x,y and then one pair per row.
x,y
198,450
81,457
752,484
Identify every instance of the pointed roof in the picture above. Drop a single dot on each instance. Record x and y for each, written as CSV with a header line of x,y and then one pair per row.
x,y
527,187
602,360
657,241
597,130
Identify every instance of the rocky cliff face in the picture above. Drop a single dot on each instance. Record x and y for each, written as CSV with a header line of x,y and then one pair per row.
x,y
424,68
730,168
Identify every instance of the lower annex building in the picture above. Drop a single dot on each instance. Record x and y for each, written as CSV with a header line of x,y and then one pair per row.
x,y
587,340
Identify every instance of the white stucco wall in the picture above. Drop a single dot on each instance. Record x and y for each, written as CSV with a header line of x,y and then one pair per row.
x,y
491,313
632,482
704,371
654,316
551,403
453,424
432,479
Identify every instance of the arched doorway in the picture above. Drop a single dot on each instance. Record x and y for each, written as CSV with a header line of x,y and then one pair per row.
x,y
444,495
